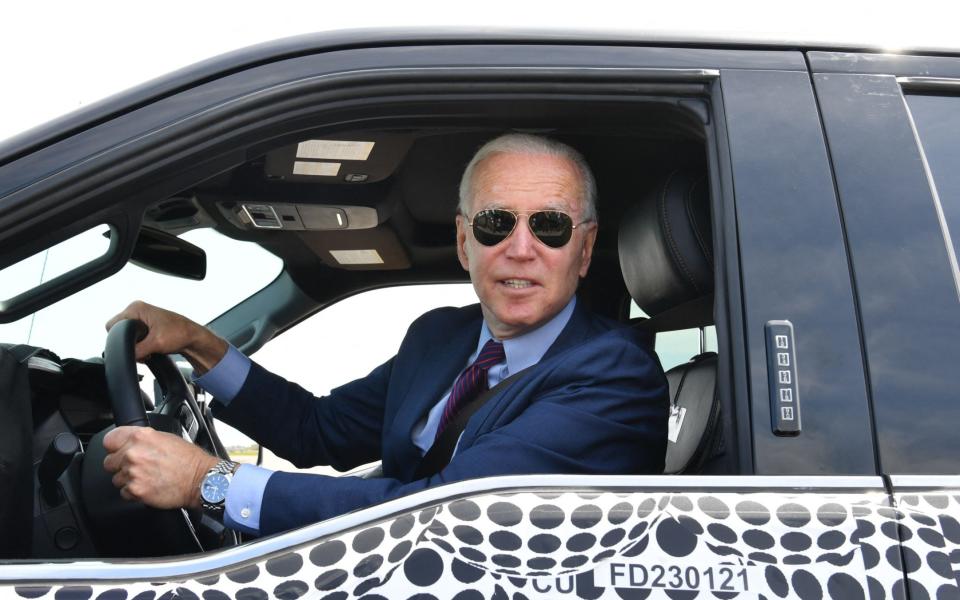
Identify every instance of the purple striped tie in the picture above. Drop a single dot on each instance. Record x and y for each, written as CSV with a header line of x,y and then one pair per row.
x,y
471,382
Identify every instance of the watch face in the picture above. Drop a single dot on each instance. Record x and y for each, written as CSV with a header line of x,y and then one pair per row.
x,y
214,488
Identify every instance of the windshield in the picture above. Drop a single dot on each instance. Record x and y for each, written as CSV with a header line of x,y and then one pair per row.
x,y
74,327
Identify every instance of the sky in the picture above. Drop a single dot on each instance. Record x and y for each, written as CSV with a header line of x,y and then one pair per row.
x,y
60,56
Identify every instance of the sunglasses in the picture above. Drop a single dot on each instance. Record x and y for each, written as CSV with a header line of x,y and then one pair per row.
x,y
552,227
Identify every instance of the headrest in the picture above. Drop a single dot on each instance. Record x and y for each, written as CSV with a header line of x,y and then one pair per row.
x,y
666,253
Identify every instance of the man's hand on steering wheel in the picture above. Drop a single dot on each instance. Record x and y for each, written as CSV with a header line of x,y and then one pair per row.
x,y
171,333
160,469
156,468
145,474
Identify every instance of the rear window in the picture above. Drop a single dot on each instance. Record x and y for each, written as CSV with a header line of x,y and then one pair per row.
x,y
937,119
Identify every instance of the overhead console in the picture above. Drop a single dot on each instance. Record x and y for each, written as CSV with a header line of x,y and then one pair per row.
x,y
297,217
327,165
351,238
330,191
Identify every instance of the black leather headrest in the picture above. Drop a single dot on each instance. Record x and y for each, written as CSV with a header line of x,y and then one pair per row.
x,y
666,252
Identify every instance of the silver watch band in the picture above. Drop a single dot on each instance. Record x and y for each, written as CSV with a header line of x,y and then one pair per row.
x,y
226,467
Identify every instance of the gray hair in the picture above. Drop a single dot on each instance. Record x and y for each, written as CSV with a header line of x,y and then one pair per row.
x,y
522,143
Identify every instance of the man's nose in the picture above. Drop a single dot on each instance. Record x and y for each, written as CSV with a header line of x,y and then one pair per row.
x,y
522,243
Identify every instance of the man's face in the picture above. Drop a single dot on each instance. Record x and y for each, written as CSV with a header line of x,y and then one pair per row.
x,y
521,282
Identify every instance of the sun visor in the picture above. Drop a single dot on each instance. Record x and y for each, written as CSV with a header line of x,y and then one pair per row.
x,y
344,159
364,250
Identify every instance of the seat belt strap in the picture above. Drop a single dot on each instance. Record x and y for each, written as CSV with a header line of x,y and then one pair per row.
x,y
442,449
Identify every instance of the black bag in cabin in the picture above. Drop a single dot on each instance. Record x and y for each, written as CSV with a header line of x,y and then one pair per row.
x,y
16,464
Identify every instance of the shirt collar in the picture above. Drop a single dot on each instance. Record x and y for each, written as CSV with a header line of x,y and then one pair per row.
x,y
527,349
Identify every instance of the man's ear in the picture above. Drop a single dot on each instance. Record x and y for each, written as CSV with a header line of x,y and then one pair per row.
x,y
586,253
462,242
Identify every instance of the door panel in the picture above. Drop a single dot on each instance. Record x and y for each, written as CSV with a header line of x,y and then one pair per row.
x,y
557,537
905,281
794,267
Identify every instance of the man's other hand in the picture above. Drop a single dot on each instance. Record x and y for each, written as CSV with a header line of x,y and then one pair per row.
x,y
172,333
156,468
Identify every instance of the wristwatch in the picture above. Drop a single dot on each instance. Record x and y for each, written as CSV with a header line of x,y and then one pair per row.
x,y
214,486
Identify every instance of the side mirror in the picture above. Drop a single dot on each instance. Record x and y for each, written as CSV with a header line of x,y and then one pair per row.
x,y
162,252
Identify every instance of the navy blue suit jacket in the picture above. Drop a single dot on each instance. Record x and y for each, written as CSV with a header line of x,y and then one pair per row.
x,y
596,403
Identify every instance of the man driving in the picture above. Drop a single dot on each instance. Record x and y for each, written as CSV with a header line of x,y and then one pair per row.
x,y
592,398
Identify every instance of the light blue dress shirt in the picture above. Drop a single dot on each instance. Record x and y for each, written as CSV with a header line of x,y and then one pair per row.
x,y
226,378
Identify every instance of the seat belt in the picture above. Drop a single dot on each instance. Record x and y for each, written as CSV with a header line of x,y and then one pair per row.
x,y
441,451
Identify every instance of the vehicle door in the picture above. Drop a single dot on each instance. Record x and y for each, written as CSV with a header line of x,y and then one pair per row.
x,y
893,125
800,510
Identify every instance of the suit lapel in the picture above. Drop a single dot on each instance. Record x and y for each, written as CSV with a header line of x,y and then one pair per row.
x,y
577,329
437,369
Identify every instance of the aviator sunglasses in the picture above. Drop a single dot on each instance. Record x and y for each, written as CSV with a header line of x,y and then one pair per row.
x,y
552,227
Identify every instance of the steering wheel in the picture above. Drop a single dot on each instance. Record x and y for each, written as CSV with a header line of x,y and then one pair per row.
x,y
123,383
158,532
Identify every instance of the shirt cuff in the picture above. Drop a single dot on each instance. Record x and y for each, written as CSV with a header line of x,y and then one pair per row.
x,y
226,377
244,498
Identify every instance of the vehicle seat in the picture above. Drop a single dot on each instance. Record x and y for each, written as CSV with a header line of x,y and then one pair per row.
x,y
695,415
666,257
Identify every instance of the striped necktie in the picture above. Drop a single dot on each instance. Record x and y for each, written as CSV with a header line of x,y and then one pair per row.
x,y
471,382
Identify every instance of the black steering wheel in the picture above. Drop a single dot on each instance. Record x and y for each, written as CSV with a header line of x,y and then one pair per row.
x,y
123,383
158,532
